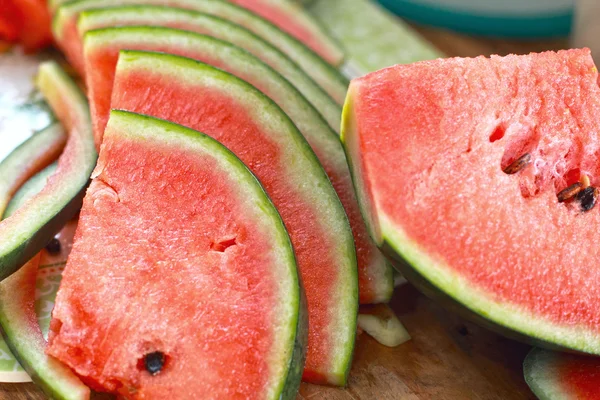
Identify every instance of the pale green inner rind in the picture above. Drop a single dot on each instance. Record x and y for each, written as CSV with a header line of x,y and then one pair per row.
x,y
350,139
220,29
256,203
302,167
329,78
29,189
23,158
24,340
27,231
505,314
543,377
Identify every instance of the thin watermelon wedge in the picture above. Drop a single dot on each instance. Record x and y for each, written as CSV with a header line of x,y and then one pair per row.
x,y
194,292
562,376
64,27
459,166
291,18
18,320
265,139
27,231
219,28
101,53
28,159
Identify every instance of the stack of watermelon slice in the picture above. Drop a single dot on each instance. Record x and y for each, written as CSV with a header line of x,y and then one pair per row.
x,y
222,251
198,272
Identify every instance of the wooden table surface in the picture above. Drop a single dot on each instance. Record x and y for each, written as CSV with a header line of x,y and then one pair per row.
x,y
448,358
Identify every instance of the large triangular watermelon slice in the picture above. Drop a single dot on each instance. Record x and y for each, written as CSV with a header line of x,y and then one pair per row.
x,y
206,24
562,376
256,130
101,53
477,172
182,280
65,33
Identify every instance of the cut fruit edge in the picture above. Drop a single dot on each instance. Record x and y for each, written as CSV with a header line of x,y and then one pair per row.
x,y
430,275
381,323
29,158
541,372
341,316
20,327
206,24
64,27
28,230
375,273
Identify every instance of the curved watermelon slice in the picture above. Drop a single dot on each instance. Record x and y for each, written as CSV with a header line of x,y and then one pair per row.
x,y
18,320
432,147
292,18
27,231
27,159
331,80
561,376
265,139
220,29
206,277
101,53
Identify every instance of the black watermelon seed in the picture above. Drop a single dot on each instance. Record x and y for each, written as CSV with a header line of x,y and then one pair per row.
x,y
154,362
569,192
587,198
518,164
54,246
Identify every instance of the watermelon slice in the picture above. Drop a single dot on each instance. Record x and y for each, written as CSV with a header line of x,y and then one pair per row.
x,y
27,159
28,230
202,299
257,131
101,53
64,27
26,22
18,317
292,18
220,29
459,166
560,376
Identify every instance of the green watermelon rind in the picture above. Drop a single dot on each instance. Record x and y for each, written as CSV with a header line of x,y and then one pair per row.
x,y
540,372
145,128
222,29
327,76
38,147
437,281
26,342
28,231
320,191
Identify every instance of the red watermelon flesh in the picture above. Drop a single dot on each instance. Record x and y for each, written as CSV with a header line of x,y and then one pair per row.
x,y
258,132
26,22
178,250
562,376
428,144
101,54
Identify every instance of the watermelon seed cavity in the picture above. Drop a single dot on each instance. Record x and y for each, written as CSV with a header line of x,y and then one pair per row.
x,y
518,164
154,362
223,245
587,198
569,192
54,246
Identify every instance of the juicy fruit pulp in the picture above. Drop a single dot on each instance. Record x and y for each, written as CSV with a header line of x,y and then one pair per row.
x,y
65,33
562,376
218,28
203,298
428,144
27,231
257,131
26,22
101,53
18,317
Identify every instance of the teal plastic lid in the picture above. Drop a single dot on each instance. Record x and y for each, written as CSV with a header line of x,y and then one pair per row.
x,y
508,18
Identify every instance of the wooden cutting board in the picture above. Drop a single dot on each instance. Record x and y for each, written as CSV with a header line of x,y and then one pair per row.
x,y
448,358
